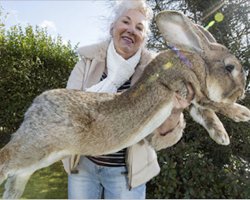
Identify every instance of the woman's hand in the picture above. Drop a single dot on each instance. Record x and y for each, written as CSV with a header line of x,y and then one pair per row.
x,y
180,104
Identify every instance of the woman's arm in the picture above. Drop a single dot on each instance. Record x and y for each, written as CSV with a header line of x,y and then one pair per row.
x,y
76,77
179,105
170,132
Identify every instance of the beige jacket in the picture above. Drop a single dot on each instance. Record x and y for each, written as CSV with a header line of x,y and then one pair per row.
x,y
141,158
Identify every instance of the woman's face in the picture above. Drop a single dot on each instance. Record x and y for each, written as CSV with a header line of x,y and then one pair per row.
x,y
128,33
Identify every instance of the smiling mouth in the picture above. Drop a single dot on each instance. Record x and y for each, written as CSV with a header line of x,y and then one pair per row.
x,y
128,40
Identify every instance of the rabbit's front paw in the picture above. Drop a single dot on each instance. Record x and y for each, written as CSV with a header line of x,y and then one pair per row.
x,y
241,114
219,135
209,120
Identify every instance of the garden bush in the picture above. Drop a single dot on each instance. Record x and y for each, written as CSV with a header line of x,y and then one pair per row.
x,y
31,61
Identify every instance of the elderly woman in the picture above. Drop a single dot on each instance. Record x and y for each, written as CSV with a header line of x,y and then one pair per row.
x,y
109,67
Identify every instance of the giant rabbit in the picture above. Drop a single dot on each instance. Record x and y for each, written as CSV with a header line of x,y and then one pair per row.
x,y
63,122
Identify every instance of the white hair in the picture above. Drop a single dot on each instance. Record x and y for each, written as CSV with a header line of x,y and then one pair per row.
x,y
124,6
118,9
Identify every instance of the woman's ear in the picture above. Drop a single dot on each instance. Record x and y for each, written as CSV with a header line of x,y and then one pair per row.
x,y
111,29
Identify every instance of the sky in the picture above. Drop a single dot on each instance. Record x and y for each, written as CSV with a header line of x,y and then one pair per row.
x,y
77,21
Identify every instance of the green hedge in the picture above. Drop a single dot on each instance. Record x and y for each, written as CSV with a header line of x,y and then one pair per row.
x,y
197,167
186,174
31,61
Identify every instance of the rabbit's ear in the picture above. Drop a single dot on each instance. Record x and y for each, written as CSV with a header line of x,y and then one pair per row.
x,y
180,32
209,36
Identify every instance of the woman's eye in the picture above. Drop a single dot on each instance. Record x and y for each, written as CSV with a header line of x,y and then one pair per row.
x,y
125,22
139,28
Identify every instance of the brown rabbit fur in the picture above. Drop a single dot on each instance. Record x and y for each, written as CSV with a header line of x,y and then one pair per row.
x,y
63,122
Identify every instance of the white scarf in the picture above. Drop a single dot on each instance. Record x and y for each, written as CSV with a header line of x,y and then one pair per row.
x,y
119,71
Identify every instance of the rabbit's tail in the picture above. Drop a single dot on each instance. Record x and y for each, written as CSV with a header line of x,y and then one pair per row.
x,y
15,185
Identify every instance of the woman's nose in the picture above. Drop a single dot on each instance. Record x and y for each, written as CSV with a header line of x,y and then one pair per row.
x,y
131,30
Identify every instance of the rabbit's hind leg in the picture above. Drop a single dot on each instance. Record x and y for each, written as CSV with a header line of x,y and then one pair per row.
x,y
2,177
17,178
4,158
15,185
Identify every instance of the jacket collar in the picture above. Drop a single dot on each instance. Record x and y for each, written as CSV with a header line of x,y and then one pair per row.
x,y
97,51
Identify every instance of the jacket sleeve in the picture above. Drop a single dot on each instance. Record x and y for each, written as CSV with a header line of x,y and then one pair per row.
x,y
76,77
159,142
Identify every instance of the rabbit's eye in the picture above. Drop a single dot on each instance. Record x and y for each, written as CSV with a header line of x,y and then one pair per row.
x,y
229,68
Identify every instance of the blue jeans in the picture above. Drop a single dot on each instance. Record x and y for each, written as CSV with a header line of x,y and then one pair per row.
x,y
94,181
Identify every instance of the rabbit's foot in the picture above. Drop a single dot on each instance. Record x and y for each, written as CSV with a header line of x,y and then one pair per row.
x,y
240,113
219,134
